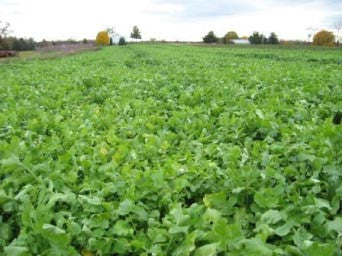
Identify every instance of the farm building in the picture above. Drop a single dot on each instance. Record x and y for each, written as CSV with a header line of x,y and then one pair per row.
x,y
240,41
116,37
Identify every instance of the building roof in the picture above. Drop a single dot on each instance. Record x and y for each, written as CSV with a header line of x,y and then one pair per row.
x,y
240,41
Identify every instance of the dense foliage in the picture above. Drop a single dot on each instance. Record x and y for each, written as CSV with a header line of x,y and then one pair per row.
x,y
17,44
172,150
136,34
257,38
122,41
324,38
102,38
227,39
210,38
273,39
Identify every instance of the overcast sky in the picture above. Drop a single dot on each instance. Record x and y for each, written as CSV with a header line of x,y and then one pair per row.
x,y
167,19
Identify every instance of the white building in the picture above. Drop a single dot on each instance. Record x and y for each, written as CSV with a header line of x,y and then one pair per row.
x,y
240,41
116,38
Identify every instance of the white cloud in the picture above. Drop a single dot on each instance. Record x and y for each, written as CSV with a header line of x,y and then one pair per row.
x,y
170,20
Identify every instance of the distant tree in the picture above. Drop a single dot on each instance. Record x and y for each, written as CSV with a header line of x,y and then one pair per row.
x,y
4,29
71,41
293,42
102,38
85,41
31,44
227,39
136,34
18,44
5,44
111,31
273,38
324,38
44,43
13,43
21,44
122,41
256,38
111,41
210,38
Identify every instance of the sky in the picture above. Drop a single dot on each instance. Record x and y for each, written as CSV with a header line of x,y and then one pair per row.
x,y
184,20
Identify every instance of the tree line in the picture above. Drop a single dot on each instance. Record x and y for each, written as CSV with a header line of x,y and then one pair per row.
x,y
228,38
14,43
321,38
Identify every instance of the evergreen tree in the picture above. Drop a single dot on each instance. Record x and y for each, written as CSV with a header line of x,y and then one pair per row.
x,y
122,41
256,38
273,38
210,38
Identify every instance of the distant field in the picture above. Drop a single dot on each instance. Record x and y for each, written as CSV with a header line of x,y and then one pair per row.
x,y
172,150
50,53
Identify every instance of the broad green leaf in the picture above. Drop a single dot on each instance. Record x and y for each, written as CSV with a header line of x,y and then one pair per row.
x,y
317,249
13,250
284,229
300,236
335,225
206,250
122,228
271,217
125,207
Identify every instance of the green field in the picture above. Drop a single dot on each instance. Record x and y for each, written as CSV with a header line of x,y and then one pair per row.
x,y
172,150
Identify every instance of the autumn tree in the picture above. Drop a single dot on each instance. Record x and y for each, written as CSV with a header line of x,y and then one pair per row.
x,y
136,34
102,38
229,37
210,38
324,38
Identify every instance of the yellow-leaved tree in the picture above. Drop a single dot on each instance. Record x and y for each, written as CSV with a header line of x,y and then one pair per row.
x,y
324,38
102,38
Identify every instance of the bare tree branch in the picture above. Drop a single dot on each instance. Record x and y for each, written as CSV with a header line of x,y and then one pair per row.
x,y
4,29
111,31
